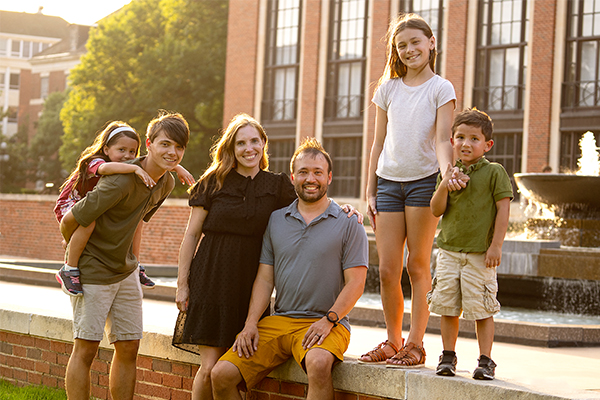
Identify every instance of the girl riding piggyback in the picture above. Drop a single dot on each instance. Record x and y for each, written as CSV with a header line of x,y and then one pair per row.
x,y
113,146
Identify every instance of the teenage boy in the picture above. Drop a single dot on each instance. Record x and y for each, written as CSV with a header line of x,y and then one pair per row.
x,y
316,258
108,269
473,226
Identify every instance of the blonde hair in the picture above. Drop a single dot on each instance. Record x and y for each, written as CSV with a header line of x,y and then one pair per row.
x,y
96,150
222,152
394,67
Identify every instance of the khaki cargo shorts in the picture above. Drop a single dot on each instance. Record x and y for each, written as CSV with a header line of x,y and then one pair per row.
x,y
117,306
463,283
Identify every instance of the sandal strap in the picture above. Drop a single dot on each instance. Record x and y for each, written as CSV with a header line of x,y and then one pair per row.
x,y
377,354
405,357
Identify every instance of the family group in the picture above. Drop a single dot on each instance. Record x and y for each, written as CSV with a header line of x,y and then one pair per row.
x,y
252,231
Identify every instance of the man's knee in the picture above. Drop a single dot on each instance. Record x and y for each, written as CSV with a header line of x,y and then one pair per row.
x,y
225,375
318,363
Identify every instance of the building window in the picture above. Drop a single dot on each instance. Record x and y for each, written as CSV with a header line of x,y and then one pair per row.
x,y
27,49
581,87
280,154
346,165
432,11
16,48
44,87
14,81
281,66
346,61
3,46
501,55
344,101
13,114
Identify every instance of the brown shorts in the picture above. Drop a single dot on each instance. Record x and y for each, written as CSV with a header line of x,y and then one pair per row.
x,y
281,338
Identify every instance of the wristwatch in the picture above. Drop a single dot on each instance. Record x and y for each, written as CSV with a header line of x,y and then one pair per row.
x,y
332,317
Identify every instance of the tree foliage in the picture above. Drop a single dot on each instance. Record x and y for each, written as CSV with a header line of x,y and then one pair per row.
x,y
44,145
151,55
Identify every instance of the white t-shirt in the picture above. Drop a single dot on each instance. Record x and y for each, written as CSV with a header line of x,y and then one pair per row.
x,y
409,148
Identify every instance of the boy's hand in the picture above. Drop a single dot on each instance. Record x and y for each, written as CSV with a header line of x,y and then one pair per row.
x,y
372,210
493,256
148,181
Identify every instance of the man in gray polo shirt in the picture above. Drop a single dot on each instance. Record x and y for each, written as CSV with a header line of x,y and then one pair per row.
x,y
317,259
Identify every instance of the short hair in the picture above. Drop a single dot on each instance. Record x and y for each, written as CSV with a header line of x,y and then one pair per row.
x,y
172,124
311,146
476,118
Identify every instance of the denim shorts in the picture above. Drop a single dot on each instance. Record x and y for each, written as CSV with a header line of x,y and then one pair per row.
x,y
394,196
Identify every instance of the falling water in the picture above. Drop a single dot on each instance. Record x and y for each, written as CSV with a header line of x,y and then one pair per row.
x,y
589,162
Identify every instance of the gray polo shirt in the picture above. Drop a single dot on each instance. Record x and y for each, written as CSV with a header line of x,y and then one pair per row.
x,y
309,260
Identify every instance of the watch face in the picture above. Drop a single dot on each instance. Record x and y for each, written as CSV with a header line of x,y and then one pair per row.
x,y
332,316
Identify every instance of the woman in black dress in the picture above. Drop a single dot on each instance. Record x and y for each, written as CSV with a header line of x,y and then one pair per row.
x,y
231,205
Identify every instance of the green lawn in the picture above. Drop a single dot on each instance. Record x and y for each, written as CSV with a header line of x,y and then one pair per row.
x,y
11,392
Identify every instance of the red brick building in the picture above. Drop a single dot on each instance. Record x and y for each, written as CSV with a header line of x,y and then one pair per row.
x,y
309,68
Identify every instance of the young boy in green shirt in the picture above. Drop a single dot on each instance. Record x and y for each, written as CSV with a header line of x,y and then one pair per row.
x,y
473,226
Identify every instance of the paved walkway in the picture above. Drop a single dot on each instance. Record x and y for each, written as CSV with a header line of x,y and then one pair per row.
x,y
568,372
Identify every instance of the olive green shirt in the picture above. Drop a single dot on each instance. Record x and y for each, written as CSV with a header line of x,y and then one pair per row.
x,y
468,222
118,203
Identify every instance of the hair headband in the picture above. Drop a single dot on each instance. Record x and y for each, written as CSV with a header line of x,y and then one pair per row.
x,y
119,129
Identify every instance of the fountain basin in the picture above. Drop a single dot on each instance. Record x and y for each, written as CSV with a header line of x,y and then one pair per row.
x,y
566,193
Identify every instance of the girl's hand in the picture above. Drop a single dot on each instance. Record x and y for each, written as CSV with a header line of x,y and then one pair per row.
x,y
372,210
184,176
181,297
458,180
148,181
350,210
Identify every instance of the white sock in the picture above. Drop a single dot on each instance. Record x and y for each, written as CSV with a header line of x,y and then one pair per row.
x,y
67,267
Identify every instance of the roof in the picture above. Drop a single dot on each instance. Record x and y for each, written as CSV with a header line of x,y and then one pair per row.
x,y
73,43
22,23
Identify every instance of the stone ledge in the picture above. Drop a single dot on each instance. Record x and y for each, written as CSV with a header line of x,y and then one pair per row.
x,y
350,376
526,333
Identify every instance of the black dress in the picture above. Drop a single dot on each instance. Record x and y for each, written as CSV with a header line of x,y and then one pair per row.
x,y
223,270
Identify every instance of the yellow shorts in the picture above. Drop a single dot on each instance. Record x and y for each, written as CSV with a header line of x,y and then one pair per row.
x,y
279,339
462,282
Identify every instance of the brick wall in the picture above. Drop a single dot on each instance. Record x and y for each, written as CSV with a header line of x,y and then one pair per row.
x,y
28,228
242,42
540,95
455,49
30,360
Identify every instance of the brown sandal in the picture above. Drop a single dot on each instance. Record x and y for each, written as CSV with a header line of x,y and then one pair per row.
x,y
377,355
405,359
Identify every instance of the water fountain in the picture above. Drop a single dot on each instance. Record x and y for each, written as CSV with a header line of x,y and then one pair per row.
x,y
570,202
564,212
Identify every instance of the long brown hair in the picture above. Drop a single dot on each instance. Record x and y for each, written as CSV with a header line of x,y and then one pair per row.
x,y
223,155
96,150
394,67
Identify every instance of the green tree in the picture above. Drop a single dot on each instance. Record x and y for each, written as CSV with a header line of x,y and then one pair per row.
x,y
14,167
44,145
151,55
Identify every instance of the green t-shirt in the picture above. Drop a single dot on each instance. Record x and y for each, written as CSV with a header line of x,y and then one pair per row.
x,y
118,203
468,222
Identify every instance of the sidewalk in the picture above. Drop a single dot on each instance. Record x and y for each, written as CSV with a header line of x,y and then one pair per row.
x,y
564,372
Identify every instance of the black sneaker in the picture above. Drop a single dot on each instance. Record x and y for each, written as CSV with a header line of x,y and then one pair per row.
x,y
486,369
144,280
447,365
69,281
